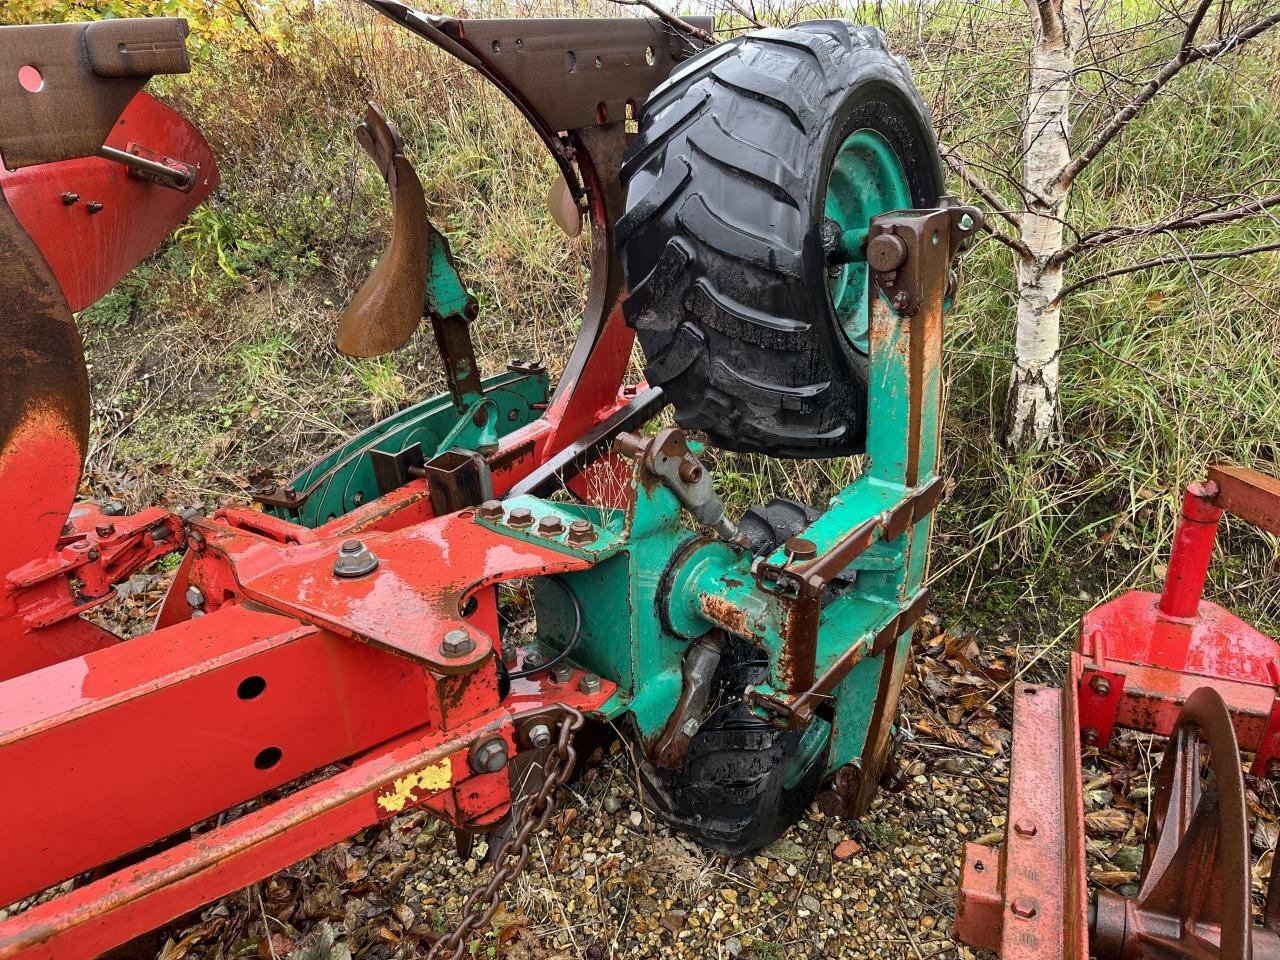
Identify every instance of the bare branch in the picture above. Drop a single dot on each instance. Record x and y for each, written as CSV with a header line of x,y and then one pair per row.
x,y
978,185
1013,243
1187,54
742,12
1195,221
1166,261
671,20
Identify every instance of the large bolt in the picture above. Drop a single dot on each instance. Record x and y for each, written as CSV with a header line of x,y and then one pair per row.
x,y
800,548
508,651
1090,736
489,756
561,672
540,735
1024,907
886,251
354,560
589,684
1100,685
457,643
105,529
533,660
490,510
581,532
550,526
1025,828
520,518
195,597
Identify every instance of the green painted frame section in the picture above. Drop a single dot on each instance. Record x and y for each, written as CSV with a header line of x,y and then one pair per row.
x,y
867,180
343,479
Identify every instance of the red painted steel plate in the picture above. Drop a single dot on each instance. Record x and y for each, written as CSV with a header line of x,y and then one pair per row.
x,y
89,252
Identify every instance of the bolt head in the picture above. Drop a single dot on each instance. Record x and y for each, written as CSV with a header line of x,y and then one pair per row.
x,y
886,251
1024,907
540,735
520,517
550,526
581,532
195,597
508,651
1100,685
966,223
490,510
490,756
1025,828
1090,736
1273,768
690,469
561,672
457,643
589,684
105,529
354,560
533,660
801,548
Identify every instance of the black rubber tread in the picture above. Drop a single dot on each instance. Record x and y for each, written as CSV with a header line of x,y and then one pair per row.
x,y
732,794
722,237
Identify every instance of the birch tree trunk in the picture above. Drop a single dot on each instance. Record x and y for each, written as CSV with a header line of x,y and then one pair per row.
x,y
1031,410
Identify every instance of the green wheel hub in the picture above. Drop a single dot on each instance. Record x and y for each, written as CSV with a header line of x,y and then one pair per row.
x,y
867,179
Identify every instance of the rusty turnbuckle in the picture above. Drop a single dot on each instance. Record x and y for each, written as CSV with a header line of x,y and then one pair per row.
x,y
480,906
1194,901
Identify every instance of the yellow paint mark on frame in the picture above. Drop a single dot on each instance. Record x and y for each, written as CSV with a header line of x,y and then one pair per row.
x,y
410,788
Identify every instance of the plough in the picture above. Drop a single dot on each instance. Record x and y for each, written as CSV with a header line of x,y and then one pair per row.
x,y
777,236
1170,664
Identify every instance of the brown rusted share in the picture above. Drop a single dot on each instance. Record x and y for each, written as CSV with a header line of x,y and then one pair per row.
x,y
87,73
1195,896
1249,495
387,309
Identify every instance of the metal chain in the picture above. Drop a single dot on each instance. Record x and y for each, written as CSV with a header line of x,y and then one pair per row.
x,y
514,852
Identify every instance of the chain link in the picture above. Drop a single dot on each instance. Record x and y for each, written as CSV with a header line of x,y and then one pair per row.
x,y
514,852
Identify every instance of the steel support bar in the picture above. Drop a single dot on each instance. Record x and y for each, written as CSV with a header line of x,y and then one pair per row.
x,y
150,736
1027,900
92,919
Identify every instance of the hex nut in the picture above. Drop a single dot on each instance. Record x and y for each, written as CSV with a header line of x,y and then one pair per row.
x,y
533,660
457,643
690,469
589,684
550,526
1100,685
489,756
490,510
581,532
508,651
1025,828
520,518
1090,736
540,735
354,560
561,673
1024,907
195,597
105,529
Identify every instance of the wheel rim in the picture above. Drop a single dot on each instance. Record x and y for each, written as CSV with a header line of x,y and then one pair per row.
x,y
866,180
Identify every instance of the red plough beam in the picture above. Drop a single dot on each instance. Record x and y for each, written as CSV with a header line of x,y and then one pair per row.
x,y
1170,664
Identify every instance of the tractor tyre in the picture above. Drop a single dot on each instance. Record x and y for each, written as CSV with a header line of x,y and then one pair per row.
x,y
750,159
745,780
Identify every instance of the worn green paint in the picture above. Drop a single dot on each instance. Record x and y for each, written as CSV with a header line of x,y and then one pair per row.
x,y
623,638
344,477
890,573
866,180
445,295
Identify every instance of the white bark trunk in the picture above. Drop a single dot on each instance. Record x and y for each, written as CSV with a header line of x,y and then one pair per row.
x,y
1031,412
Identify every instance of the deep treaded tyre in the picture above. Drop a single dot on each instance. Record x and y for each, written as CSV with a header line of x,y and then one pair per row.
x,y
745,780
744,156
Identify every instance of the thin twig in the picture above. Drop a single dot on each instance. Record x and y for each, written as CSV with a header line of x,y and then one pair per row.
x,y
978,185
1194,221
669,18
1187,54
1165,261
